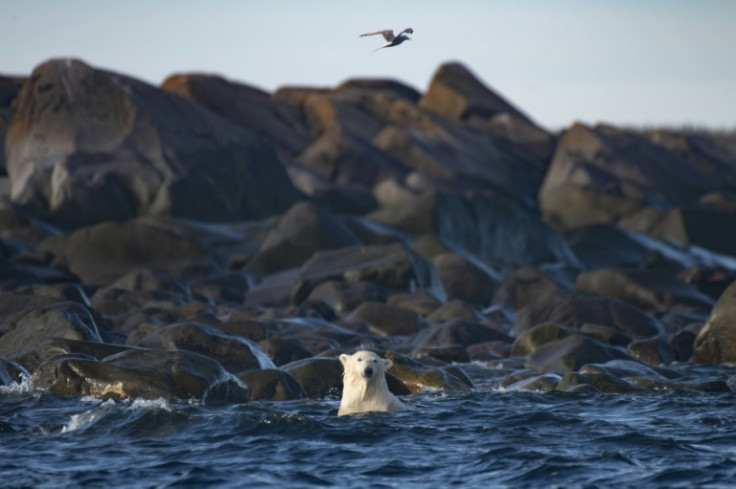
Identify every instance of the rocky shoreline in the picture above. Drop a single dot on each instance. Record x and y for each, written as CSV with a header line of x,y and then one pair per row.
x,y
208,240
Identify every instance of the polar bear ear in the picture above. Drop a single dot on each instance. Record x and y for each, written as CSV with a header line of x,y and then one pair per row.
x,y
344,359
387,363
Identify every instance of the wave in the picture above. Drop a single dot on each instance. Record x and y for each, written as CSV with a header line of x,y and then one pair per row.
x,y
25,386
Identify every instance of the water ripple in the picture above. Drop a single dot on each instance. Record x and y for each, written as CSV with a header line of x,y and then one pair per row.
x,y
480,439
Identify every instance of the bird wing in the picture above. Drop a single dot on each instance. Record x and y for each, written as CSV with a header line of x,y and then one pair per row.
x,y
408,30
387,34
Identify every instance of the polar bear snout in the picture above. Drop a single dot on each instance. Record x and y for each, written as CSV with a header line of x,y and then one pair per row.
x,y
369,372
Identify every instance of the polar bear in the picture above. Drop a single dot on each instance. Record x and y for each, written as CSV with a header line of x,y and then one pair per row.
x,y
364,384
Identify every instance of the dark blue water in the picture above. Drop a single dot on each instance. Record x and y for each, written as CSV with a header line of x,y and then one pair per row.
x,y
487,438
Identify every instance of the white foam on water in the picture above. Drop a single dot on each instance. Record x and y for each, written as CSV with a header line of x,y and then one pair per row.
x,y
102,409
25,386
88,417
152,404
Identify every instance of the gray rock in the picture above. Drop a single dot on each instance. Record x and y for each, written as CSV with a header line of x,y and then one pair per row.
x,y
716,342
571,353
235,353
458,332
319,376
650,290
539,335
417,377
9,89
523,287
43,349
86,145
141,374
653,351
608,175
272,385
105,252
574,308
387,320
246,106
464,280
344,297
456,93
391,266
594,381
301,232
67,320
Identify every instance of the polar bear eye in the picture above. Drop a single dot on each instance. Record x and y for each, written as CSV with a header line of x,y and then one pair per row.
x,y
360,359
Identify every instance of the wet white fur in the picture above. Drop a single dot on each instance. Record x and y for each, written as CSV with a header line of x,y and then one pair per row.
x,y
362,393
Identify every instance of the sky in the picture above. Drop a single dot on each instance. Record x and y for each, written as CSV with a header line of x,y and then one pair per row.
x,y
638,63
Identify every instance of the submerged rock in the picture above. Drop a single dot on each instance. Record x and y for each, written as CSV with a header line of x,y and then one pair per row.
x,y
598,381
11,372
570,353
416,377
141,374
43,349
319,376
272,385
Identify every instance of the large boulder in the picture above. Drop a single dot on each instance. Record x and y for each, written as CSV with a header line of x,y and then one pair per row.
x,y
141,374
44,348
523,286
651,290
703,224
319,376
105,252
386,319
570,353
68,320
245,106
460,332
607,175
344,297
16,309
9,88
235,353
501,230
414,376
463,279
392,266
86,145
347,159
388,87
302,231
574,309
716,342
272,385
456,93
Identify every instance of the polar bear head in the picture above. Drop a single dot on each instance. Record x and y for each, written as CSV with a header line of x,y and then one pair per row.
x,y
364,365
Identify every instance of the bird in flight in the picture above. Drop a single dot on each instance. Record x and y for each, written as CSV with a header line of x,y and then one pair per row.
x,y
391,41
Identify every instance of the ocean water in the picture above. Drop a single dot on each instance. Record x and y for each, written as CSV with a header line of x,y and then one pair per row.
x,y
485,438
